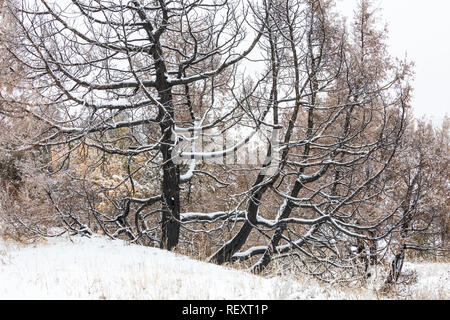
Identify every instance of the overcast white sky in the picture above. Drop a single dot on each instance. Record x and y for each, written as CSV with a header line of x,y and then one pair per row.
x,y
420,29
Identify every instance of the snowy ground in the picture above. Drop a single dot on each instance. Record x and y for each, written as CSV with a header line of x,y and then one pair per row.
x,y
98,268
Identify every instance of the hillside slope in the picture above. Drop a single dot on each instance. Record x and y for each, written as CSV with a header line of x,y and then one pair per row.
x,y
98,268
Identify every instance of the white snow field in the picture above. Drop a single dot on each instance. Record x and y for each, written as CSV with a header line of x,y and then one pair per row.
x,y
98,268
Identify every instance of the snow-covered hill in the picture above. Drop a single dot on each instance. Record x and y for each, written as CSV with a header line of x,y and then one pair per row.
x,y
98,268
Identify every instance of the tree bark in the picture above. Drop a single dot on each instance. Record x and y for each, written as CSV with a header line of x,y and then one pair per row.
x,y
171,172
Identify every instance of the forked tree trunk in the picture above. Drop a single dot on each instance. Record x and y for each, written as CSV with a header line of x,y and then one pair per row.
x,y
396,268
225,253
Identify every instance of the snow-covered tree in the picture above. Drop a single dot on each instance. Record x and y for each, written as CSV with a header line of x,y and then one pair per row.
x,y
101,67
342,103
131,92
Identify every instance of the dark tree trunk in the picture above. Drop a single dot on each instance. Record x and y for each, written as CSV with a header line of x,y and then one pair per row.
x,y
171,203
170,222
171,173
